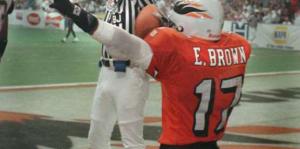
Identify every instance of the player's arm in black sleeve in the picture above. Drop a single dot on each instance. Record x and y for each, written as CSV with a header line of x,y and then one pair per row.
x,y
86,21
120,43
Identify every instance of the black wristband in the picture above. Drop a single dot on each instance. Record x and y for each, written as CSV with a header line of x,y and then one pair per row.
x,y
86,21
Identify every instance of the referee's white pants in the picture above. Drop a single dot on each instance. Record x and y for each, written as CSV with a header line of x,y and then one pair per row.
x,y
119,97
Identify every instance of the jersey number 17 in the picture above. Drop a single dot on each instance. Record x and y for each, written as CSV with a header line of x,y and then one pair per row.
x,y
205,92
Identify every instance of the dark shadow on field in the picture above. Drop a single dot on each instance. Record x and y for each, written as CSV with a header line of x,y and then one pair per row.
x,y
26,131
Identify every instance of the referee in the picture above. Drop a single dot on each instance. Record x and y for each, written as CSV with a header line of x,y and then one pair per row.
x,y
6,7
121,91
69,25
70,30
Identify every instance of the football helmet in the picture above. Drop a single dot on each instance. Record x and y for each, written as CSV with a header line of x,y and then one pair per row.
x,y
202,18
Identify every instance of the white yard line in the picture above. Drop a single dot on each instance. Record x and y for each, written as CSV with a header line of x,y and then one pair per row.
x,y
93,84
47,86
272,73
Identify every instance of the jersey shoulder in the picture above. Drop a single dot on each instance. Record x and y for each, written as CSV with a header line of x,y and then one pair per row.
x,y
234,37
163,36
164,45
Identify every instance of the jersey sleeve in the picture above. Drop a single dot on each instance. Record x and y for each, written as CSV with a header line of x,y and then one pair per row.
x,y
123,45
163,63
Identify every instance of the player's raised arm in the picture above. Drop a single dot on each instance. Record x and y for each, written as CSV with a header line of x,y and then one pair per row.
x,y
121,44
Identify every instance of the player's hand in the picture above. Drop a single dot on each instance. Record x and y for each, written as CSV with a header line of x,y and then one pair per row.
x,y
65,7
163,7
164,21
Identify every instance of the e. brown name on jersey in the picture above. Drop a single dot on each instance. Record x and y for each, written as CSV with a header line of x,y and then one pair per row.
x,y
222,57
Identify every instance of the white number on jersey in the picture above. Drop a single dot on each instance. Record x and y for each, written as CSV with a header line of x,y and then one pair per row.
x,y
205,92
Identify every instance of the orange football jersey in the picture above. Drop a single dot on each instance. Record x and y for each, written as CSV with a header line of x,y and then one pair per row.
x,y
201,83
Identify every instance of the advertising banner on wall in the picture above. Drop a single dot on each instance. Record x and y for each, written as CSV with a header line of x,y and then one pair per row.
x,y
54,20
240,28
39,19
16,18
34,19
278,36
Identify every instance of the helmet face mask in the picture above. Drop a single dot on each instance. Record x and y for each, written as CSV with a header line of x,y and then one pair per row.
x,y
202,18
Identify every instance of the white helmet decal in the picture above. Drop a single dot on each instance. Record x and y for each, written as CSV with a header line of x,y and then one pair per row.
x,y
202,18
192,9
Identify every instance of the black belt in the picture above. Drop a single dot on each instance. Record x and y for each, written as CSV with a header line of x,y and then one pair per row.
x,y
197,145
119,65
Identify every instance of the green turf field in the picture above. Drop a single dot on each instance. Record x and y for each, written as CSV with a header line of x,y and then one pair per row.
x,y
36,56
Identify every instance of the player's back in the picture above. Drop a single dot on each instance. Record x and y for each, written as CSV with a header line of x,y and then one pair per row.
x,y
201,83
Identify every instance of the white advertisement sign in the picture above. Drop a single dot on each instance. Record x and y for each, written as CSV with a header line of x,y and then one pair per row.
x,y
38,19
54,20
16,18
240,28
34,19
278,36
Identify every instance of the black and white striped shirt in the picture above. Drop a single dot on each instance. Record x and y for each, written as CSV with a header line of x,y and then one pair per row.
x,y
122,13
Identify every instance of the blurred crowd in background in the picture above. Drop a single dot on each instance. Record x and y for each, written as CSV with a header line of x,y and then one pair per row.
x,y
262,11
248,11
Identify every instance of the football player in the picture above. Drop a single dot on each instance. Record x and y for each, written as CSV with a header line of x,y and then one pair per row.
x,y
201,69
6,7
70,30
